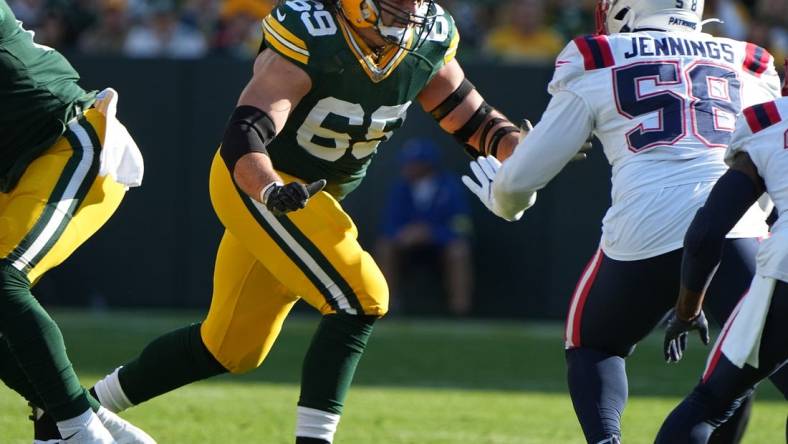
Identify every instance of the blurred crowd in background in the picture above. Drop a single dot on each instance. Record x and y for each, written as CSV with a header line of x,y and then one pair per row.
x,y
516,31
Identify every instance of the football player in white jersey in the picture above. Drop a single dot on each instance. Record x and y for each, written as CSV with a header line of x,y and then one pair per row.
x,y
662,97
754,341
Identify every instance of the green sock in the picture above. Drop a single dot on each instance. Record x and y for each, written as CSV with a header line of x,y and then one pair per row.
x,y
34,341
170,361
330,362
13,376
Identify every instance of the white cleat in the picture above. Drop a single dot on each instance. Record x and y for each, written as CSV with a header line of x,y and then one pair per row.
x,y
121,430
93,432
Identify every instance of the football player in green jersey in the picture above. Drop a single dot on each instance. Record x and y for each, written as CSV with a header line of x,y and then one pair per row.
x,y
333,80
56,190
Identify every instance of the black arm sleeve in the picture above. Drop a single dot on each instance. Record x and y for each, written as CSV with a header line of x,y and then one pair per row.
x,y
730,198
249,130
453,100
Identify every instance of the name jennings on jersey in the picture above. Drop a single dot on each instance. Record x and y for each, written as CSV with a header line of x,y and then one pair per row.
x,y
649,46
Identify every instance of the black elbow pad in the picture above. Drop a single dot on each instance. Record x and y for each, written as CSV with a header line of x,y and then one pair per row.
x,y
249,129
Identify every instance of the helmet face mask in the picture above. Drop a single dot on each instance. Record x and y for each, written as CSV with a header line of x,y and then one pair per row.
x,y
600,16
785,79
612,16
371,14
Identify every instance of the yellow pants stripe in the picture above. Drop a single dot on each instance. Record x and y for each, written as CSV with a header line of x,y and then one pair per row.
x,y
59,202
338,294
79,173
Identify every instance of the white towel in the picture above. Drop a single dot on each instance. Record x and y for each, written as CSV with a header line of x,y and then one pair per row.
x,y
120,158
743,341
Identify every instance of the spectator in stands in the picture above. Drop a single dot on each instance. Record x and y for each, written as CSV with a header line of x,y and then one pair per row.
x,y
61,22
426,217
163,35
204,14
574,17
733,17
239,32
109,36
29,12
470,18
525,37
769,28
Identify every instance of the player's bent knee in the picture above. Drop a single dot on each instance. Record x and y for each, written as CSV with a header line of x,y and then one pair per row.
x,y
715,410
10,276
237,363
620,350
14,291
235,355
374,299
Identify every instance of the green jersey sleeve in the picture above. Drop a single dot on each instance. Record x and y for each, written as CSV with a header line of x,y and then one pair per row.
x,y
294,29
8,25
446,34
442,42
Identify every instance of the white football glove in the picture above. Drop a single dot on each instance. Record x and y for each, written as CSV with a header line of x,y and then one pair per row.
x,y
485,168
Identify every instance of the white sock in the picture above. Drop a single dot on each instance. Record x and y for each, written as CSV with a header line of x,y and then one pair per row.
x,y
313,423
71,426
110,393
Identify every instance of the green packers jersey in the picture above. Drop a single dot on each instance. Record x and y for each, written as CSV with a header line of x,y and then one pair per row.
x,y
356,100
38,96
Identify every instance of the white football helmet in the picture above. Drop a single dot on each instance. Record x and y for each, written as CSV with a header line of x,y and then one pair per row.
x,y
614,16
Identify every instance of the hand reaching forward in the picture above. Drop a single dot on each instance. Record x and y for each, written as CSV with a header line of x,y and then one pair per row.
x,y
281,199
484,170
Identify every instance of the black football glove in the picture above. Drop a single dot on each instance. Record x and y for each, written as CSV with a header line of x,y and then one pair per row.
x,y
585,148
676,335
281,199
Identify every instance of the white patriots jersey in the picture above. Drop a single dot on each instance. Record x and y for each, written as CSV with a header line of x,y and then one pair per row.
x,y
664,106
762,133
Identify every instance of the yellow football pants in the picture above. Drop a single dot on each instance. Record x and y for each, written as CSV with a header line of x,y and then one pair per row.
x,y
59,201
265,263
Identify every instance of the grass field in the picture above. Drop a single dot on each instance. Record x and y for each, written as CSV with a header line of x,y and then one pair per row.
x,y
421,381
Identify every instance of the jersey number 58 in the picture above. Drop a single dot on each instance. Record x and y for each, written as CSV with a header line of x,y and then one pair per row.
x,y
711,98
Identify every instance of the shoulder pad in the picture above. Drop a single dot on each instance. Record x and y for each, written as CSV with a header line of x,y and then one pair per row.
x,y
752,121
285,29
454,37
596,51
443,38
756,59
762,116
569,66
739,139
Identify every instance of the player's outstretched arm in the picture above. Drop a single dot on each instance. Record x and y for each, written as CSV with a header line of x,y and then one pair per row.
x,y
276,87
550,145
733,194
461,111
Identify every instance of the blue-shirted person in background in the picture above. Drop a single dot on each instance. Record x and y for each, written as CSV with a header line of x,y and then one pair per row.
x,y
427,218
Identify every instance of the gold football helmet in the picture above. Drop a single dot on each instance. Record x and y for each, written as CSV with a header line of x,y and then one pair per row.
x,y
369,14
